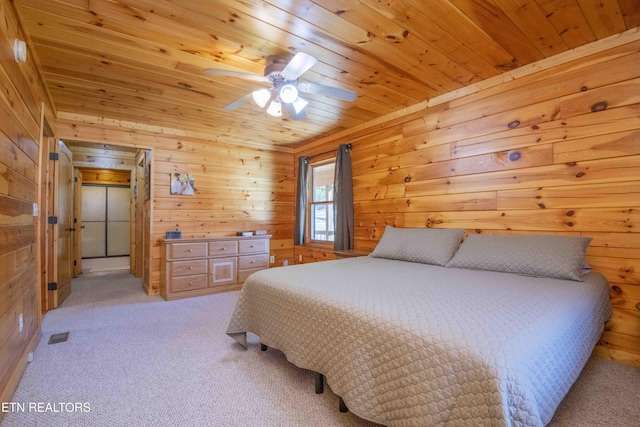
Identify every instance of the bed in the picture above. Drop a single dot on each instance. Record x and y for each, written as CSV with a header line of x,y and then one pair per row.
x,y
404,342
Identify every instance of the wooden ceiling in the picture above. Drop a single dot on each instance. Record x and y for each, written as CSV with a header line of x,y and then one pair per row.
x,y
143,60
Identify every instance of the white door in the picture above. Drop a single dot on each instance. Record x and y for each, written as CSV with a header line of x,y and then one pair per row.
x,y
94,221
105,221
118,221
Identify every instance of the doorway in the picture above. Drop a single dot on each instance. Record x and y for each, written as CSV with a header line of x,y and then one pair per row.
x,y
116,168
91,163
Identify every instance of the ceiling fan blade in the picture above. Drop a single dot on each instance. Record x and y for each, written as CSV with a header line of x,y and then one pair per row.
x,y
292,112
238,74
333,92
238,102
300,63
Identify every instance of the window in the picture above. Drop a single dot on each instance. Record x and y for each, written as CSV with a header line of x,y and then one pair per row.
x,y
320,209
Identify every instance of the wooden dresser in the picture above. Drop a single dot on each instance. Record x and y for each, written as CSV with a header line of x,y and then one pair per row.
x,y
194,267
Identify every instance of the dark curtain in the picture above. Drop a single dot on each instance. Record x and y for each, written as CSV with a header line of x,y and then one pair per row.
x,y
301,200
343,199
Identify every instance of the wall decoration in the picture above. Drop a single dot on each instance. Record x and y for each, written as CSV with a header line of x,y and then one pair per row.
x,y
182,183
147,174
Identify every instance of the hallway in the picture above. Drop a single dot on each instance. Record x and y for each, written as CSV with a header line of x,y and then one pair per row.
x,y
105,265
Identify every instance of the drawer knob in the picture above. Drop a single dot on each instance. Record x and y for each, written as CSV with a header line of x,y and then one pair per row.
x,y
190,268
190,250
252,246
224,248
253,261
190,283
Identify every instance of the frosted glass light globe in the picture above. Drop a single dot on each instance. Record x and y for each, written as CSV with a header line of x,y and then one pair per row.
x,y
288,93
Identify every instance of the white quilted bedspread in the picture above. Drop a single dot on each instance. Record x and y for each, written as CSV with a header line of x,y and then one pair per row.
x,y
411,344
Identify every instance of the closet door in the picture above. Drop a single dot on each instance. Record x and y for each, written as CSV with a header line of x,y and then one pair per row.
x,y
118,217
94,217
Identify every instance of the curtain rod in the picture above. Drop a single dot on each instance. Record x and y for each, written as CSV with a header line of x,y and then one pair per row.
x,y
326,152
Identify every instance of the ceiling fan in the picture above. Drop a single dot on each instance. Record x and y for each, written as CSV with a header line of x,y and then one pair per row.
x,y
285,87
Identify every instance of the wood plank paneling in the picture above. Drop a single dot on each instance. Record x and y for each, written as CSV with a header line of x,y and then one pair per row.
x,y
556,151
619,194
616,346
143,60
95,159
105,176
20,124
620,169
617,144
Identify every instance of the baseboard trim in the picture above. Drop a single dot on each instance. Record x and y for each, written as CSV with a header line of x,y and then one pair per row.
x,y
617,355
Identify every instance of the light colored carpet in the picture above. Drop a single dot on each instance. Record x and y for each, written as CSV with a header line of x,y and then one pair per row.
x,y
112,264
136,360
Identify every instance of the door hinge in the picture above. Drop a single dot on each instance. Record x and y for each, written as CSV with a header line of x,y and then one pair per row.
x,y
75,220
53,286
52,220
75,179
75,262
54,156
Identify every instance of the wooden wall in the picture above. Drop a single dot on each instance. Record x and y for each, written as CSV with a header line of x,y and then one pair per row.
x,y
106,176
21,118
554,148
237,187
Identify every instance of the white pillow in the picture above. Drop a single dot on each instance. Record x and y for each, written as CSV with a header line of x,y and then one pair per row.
x,y
423,245
559,257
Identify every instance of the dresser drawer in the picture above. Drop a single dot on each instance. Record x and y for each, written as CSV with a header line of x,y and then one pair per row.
x,y
253,261
187,268
188,283
223,271
223,248
253,246
187,250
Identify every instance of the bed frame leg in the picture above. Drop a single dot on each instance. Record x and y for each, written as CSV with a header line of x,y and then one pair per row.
x,y
341,405
263,347
319,382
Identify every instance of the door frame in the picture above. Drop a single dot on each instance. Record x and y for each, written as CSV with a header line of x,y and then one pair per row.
x,y
46,210
77,222
46,207
141,210
53,298
49,263
50,299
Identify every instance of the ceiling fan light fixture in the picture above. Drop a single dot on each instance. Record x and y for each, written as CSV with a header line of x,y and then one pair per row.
x,y
288,93
299,104
275,109
284,87
261,97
